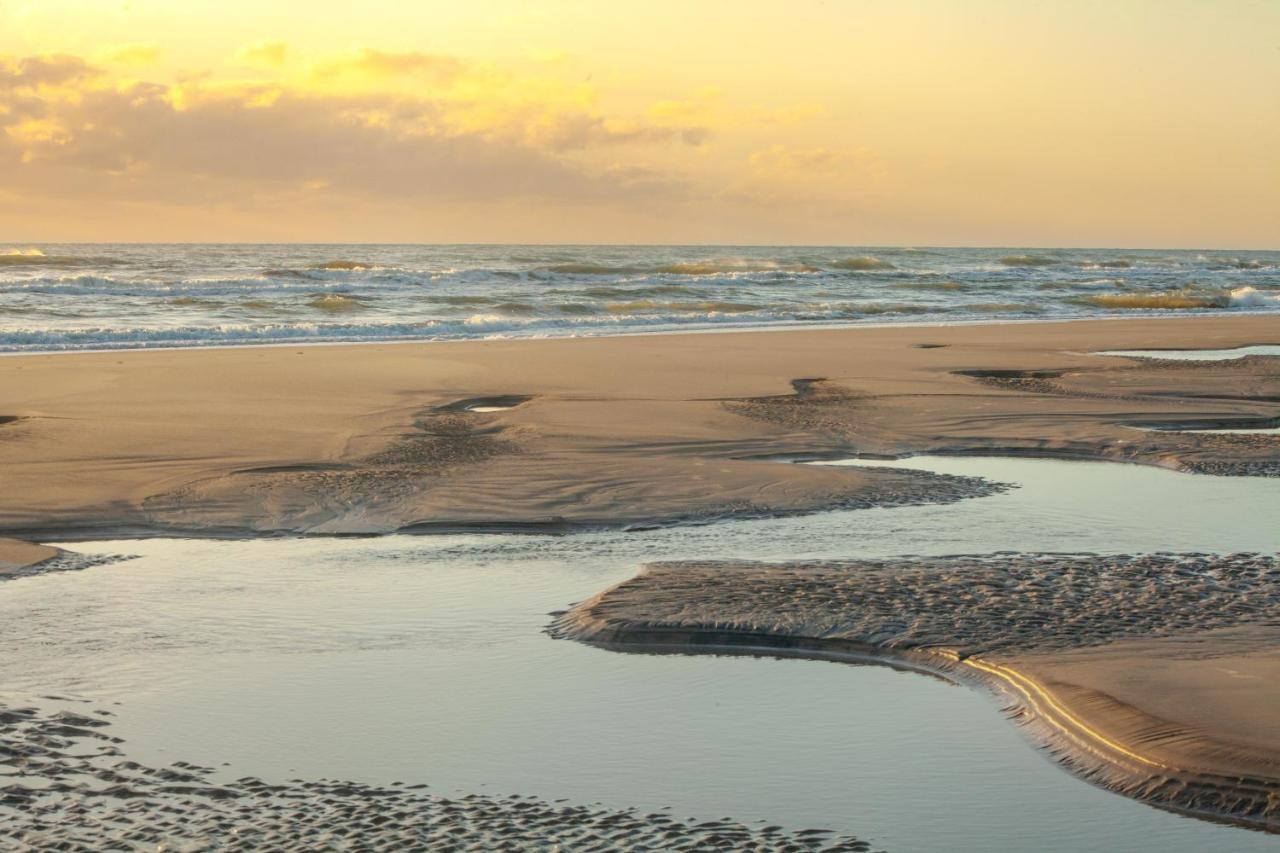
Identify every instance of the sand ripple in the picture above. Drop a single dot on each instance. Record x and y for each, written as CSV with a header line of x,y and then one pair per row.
x,y
66,785
972,604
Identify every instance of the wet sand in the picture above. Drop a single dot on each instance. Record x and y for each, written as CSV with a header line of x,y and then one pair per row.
x,y
89,797
19,559
564,435
598,432
16,554
1153,676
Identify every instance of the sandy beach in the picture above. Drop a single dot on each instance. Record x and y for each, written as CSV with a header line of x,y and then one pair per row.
x,y
369,377
568,434
1153,676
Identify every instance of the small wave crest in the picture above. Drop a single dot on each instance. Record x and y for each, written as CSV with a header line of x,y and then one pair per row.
x,y
1028,261
342,265
691,268
1174,300
733,266
863,264
335,303
37,258
591,269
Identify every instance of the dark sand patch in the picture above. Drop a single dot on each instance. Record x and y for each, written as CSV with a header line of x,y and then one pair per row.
x,y
1052,634
306,496
20,559
66,784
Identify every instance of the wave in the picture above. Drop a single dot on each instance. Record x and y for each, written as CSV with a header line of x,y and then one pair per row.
x,y
37,258
286,273
95,285
462,300
863,264
632,292
876,308
692,268
927,284
720,267
336,303
592,269
1169,300
1251,297
192,302
1118,264
1002,308
709,307
1028,261
1244,263
342,265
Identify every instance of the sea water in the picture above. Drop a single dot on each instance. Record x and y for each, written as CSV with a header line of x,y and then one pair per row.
x,y
56,297
422,659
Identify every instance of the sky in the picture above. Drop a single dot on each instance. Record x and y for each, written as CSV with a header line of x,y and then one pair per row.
x,y
1127,123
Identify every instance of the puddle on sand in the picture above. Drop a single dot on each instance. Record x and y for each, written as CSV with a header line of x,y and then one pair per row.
x,y
1241,431
1198,354
421,660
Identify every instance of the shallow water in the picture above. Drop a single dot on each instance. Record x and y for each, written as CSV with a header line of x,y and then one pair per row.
x,y
1198,354
1241,431
73,297
421,659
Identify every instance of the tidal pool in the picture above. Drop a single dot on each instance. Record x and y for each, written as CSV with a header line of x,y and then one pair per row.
x,y
1198,354
421,659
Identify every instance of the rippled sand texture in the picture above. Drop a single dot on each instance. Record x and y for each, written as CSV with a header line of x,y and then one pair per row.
x,y
65,785
1156,676
600,432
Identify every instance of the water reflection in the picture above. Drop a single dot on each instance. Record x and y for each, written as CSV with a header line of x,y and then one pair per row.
x,y
421,659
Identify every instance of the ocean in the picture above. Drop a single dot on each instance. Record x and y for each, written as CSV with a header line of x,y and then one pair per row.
x,y
67,297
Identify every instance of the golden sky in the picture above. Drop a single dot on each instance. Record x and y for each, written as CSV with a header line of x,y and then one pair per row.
x,y
904,122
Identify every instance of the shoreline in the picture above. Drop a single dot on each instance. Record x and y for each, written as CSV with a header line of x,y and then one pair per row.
x,y
1090,734
692,329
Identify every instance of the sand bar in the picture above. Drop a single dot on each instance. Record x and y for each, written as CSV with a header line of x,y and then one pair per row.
x,y
593,432
1154,676
16,554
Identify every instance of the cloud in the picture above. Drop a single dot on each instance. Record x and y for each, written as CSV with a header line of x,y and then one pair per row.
x,y
368,129
40,70
205,141
129,54
270,54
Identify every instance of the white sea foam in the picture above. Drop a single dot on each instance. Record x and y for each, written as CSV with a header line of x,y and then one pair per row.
x,y
1251,297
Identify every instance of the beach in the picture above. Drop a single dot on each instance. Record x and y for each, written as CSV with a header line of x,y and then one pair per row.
x,y
586,433
1147,675
1150,676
